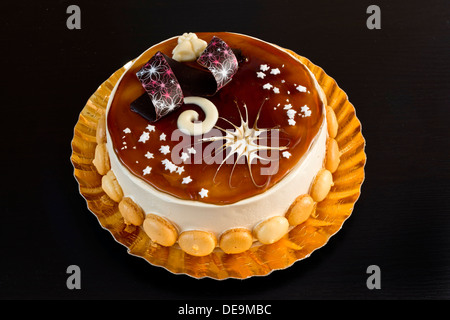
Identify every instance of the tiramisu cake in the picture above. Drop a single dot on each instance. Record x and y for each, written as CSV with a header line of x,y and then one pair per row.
x,y
216,141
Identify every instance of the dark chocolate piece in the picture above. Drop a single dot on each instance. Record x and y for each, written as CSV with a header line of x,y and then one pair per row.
x,y
193,81
144,107
239,56
220,60
161,84
166,81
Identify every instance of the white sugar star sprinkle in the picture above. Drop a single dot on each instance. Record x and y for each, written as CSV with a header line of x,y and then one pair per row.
x,y
149,155
306,111
260,75
147,170
180,170
150,128
169,165
186,180
275,71
287,106
144,137
127,130
291,113
184,156
264,67
162,137
276,90
267,86
291,122
191,150
301,88
165,149
286,154
203,193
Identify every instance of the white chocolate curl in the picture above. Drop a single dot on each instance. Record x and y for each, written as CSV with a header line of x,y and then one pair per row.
x,y
188,120
189,47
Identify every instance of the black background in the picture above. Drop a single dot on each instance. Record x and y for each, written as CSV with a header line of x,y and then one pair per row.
x,y
397,78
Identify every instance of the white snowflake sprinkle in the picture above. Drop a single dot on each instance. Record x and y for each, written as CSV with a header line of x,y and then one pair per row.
x,y
147,170
149,155
267,86
275,71
180,170
191,150
301,88
291,122
150,128
144,137
291,113
260,75
165,149
186,180
287,106
169,165
306,111
286,154
184,156
203,193
276,90
162,137
127,130
264,67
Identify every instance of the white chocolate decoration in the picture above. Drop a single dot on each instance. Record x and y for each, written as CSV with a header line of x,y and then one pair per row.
x,y
188,120
189,47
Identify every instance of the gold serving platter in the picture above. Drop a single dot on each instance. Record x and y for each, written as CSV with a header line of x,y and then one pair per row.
x,y
261,260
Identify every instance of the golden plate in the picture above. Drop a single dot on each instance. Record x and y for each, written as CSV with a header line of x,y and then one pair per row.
x,y
301,241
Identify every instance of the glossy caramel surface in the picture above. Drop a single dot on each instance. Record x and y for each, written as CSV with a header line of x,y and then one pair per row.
x,y
229,182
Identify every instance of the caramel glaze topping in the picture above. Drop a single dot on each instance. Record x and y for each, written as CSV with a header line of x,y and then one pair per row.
x,y
245,88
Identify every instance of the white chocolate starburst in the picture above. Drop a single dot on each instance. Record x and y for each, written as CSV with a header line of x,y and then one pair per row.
x,y
243,141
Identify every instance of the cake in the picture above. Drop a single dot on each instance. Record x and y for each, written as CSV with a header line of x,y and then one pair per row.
x,y
216,141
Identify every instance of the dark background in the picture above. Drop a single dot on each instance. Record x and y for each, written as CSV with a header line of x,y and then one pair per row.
x,y
397,78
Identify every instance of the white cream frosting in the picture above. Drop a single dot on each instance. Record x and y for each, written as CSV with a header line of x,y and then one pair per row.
x,y
189,47
195,215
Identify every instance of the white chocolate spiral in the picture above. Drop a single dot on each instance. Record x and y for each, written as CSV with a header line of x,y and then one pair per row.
x,y
188,120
